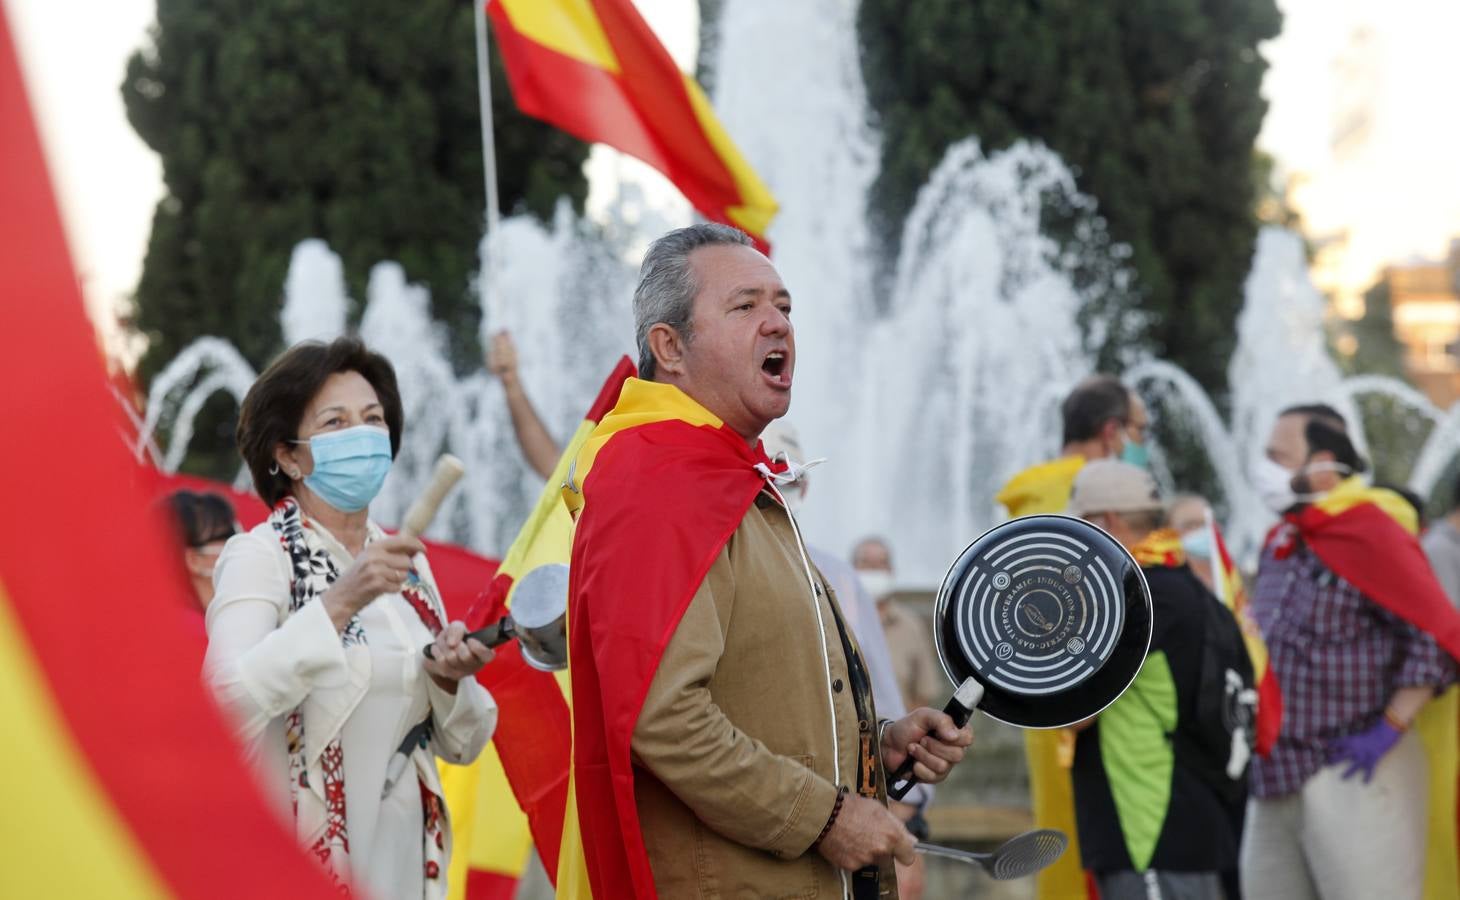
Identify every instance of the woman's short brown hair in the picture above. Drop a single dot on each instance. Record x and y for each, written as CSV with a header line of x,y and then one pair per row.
x,y
276,402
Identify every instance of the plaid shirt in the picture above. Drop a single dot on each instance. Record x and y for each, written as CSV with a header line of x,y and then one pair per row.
x,y
1339,658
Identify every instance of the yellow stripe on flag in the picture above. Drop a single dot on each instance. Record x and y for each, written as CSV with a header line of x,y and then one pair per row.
x,y
572,863
1437,726
63,836
759,208
569,27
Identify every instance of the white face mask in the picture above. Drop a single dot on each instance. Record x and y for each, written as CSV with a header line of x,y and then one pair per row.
x,y
877,582
1274,483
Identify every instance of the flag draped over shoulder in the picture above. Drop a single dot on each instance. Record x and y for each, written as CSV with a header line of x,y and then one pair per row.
x,y
120,777
1041,490
515,795
657,490
1161,547
594,69
1367,536
1227,580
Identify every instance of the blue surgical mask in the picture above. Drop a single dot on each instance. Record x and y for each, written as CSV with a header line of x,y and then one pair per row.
x,y
1135,454
1198,543
349,466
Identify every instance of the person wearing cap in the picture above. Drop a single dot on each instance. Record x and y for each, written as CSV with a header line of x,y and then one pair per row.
x,y
1101,419
1152,821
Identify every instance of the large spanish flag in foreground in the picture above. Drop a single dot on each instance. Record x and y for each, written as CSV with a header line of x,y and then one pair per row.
x,y
119,776
657,490
594,69
517,793
1367,536
1039,490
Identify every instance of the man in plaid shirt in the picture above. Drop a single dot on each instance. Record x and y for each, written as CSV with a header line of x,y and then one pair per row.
x,y
1339,806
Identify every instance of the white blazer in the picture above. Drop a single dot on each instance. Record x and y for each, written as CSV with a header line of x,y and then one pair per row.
x,y
262,662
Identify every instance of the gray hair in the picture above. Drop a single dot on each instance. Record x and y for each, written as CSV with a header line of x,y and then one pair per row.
x,y
667,288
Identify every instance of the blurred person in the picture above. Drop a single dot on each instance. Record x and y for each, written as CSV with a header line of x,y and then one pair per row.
x,y
909,639
781,441
1442,546
1158,809
317,626
1360,638
1100,419
1190,516
726,741
538,446
205,521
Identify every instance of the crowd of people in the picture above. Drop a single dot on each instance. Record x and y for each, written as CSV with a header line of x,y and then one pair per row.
x,y
741,692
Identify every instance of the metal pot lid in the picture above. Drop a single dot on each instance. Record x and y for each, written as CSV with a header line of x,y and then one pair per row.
x,y
1050,614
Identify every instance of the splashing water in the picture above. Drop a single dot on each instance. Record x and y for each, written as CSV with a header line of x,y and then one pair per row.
x,y
925,399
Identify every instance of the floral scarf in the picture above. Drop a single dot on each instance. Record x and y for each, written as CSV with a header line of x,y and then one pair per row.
x,y
319,813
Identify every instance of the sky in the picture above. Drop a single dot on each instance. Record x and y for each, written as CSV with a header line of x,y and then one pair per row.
x,y
1395,197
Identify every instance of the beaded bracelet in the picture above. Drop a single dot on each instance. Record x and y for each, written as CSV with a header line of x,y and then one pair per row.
x,y
841,797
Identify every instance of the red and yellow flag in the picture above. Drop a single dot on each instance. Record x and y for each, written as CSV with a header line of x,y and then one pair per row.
x,y
515,796
656,491
594,69
120,777
1368,537
1161,547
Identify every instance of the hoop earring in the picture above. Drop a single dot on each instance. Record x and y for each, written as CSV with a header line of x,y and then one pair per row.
x,y
274,469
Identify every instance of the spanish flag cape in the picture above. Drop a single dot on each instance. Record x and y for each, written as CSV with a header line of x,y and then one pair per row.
x,y
1367,536
1040,490
657,490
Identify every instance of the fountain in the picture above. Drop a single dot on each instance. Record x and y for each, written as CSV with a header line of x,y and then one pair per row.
x,y
925,396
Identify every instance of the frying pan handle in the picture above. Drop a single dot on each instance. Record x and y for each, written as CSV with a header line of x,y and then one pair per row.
x,y
902,781
494,635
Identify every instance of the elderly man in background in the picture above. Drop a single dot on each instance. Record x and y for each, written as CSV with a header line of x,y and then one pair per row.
x,y
1101,419
726,741
909,636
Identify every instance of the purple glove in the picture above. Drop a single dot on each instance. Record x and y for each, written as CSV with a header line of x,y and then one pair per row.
x,y
1363,751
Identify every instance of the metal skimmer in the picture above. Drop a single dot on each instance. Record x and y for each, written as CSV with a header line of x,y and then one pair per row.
x,y
1019,856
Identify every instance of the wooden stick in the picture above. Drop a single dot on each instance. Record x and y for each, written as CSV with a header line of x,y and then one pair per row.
x,y
418,518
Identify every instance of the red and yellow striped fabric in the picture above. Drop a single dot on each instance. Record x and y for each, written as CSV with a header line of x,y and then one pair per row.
x,y
594,69
516,794
120,777
1161,547
656,492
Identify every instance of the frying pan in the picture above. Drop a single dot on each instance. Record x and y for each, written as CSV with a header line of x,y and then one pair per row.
x,y
1049,616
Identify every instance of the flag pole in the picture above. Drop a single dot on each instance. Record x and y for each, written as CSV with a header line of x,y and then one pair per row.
x,y
484,98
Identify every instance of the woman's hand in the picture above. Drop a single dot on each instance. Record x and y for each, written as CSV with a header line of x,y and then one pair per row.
x,y
381,568
454,656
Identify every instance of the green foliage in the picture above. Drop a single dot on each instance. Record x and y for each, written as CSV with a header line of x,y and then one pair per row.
x,y
355,122
1376,351
1154,105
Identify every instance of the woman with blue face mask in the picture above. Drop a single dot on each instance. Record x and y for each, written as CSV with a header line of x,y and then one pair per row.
x,y
317,623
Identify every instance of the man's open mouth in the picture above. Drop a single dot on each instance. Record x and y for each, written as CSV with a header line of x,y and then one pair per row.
x,y
774,364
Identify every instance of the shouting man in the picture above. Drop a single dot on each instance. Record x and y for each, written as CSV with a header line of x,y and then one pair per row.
x,y
725,738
